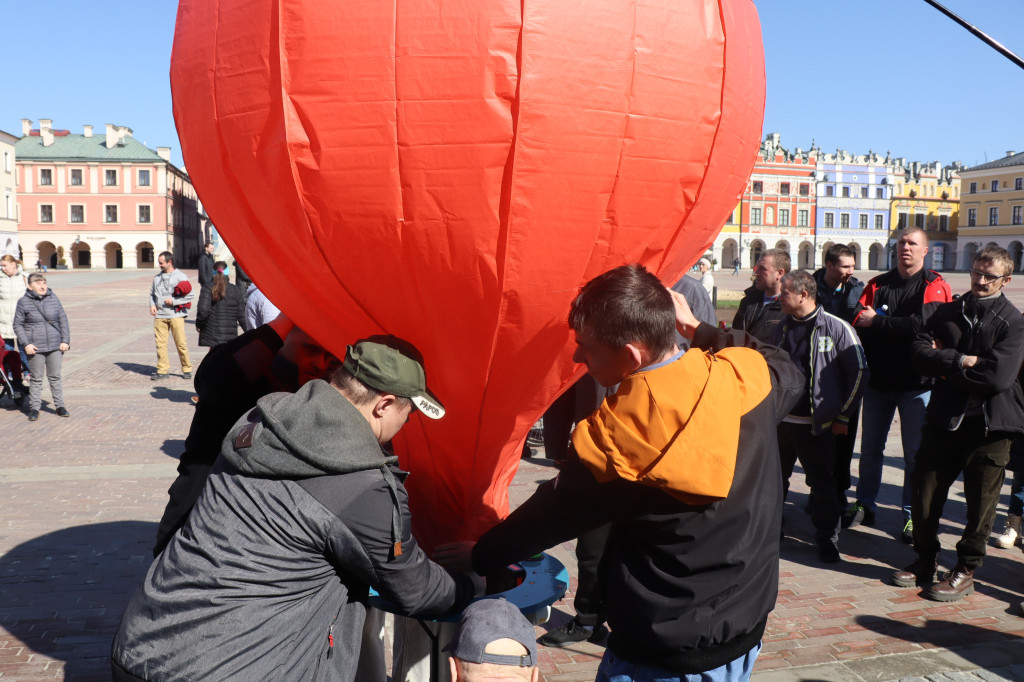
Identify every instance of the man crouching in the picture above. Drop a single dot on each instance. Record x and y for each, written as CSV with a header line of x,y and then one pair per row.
x,y
302,514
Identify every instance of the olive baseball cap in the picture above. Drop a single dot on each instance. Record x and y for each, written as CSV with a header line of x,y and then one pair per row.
x,y
389,364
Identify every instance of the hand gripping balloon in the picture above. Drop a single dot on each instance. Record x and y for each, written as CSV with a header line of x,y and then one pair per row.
x,y
452,172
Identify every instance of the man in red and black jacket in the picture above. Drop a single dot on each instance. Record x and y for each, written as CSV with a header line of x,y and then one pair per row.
x,y
894,308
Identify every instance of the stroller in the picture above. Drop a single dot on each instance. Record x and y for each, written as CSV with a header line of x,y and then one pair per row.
x,y
6,387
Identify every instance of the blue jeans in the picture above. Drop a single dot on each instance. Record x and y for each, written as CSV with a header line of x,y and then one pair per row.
x,y
614,669
879,409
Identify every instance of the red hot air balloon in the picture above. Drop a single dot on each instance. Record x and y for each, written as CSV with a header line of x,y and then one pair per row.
x,y
452,172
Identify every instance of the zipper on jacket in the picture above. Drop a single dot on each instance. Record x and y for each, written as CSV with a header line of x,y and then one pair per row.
x,y
330,642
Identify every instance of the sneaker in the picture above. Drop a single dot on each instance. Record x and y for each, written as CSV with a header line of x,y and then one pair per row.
x,y
63,412
857,514
1011,536
157,377
33,415
186,375
571,633
908,532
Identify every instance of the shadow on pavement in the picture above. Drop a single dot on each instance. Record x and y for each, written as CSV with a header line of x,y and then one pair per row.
x,y
62,594
136,368
173,394
940,633
173,448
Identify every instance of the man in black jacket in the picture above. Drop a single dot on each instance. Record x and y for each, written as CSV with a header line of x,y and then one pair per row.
x,y
683,462
974,347
759,310
206,266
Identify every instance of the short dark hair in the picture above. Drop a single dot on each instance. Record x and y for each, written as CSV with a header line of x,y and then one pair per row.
x,y
802,282
996,255
626,305
359,393
780,259
35,277
910,229
167,256
207,244
837,251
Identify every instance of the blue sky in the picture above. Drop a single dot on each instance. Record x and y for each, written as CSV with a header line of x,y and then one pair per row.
x,y
887,75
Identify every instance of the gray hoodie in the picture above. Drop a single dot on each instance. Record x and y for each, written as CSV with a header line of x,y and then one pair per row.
x,y
269,577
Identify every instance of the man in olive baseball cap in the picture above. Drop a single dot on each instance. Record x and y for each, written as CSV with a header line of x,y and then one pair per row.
x,y
390,365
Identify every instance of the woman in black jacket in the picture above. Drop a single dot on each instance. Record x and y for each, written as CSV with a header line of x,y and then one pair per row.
x,y
221,310
42,330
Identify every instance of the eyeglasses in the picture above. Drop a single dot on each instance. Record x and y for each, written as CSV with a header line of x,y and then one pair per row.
x,y
986,277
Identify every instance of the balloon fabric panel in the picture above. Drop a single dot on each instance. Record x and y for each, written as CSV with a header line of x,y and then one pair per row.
x,y
453,172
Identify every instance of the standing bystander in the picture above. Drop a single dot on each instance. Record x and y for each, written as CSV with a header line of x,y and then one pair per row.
x,y
170,311
759,310
206,266
893,310
42,330
13,284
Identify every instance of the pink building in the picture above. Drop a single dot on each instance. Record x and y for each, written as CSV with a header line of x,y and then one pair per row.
x,y
102,201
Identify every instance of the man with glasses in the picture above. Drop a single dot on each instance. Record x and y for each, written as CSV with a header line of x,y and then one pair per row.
x,y
974,348
893,310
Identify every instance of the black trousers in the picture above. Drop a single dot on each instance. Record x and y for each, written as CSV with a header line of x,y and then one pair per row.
x,y
942,457
817,455
844,456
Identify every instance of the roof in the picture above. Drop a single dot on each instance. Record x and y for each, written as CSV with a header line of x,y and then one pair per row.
x,y
82,148
1005,162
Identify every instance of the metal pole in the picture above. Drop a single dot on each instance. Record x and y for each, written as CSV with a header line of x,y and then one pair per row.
x,y
992,42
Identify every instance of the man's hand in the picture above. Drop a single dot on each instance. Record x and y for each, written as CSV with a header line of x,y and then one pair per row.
x,y
866,317
457,557
840,429
970,361
152,310
169,301
64,347
686,321
30,349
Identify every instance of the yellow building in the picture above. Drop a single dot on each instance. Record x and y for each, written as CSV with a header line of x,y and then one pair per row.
x,y
927,195
992,209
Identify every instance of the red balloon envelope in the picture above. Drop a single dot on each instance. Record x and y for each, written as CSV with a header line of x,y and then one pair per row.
x,y
452,173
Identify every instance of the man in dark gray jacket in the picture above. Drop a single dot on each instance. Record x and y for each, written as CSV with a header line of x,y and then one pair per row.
x,y
303,514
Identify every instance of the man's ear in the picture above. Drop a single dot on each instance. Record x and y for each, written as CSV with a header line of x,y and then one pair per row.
x,y
536,675
454,668
636,356
382,404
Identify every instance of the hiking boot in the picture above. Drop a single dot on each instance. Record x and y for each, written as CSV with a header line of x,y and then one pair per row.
x,y
63,412
954,585
157,376
908,532
33,415
1011,535
571,633
857,514
921,572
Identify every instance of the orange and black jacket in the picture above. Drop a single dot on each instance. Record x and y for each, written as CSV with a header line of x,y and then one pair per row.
x,y
683,462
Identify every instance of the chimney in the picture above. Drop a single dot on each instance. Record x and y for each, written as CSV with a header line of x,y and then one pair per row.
x,y
1010,152
45,131
45,124
111,136
26,126
164,153
87,131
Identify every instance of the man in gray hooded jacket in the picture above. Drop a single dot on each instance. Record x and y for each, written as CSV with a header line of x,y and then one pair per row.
x,y
303,513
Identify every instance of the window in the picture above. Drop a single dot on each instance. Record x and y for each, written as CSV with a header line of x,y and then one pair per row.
x,y
830,191
830,220
45,176
805,189
146,254
784,188
879,192
995,185
1018,219
801,218
863,192
878,223
755,216
846,192
110,213
974,188
758,187
784,217
993,215
76,176
46,213
919,220
110,178
145,214
8,205
943,223
901,222
7,161
1018,184
143,178
77,213
863,222
844,221
972,217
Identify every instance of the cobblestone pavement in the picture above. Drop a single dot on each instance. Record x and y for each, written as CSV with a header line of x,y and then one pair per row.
x,y
80,497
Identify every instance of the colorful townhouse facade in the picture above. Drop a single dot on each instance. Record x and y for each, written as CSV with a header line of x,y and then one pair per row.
x,y
8,197
777,209
927,195
102,201
853,205
992,209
